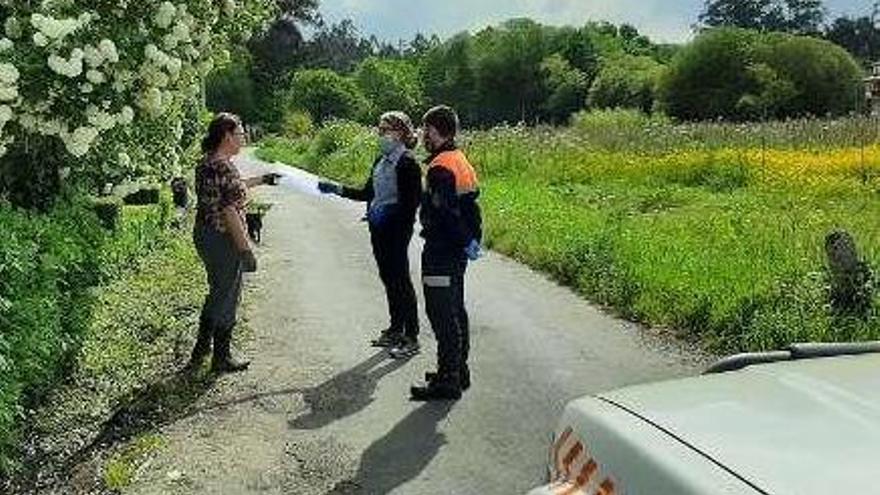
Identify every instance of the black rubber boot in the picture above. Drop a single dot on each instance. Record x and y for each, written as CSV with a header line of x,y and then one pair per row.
x,y
442,387
430,376
223,362
203,346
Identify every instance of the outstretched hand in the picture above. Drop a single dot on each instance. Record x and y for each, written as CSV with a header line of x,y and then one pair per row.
x,y
329,188
271,178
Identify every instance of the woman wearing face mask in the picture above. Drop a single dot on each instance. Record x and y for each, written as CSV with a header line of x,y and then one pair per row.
x,y
392,192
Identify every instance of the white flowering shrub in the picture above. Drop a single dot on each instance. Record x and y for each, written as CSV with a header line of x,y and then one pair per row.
x,y
107,86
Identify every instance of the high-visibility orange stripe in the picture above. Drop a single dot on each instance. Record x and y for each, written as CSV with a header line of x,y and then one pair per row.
x,y
461,168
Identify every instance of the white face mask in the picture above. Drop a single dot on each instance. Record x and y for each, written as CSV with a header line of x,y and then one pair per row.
x,y
387,144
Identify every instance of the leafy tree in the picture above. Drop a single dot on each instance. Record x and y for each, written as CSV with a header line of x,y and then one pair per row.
x,y
508,71
338,47
231,89
326,94
448,75
795,16
860,35
566,86
390,84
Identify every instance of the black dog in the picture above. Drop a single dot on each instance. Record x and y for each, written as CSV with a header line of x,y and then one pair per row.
x,y
180,192
255,226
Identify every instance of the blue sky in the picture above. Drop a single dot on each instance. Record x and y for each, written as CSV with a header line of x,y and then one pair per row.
x,y
662,20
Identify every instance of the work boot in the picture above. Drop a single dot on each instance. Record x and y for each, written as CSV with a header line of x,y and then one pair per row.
x,y
407,348
223,362
443,387
465,378
388,338
202,348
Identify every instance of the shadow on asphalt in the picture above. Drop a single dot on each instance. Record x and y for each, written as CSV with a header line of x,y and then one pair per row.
x,y
345,394
401,455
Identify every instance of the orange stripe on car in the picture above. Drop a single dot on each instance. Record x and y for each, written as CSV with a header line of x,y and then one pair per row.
x,y
606,488
557,449
583,479
575,451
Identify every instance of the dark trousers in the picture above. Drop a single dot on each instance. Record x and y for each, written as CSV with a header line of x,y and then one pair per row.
x,y
443,274
391,250
223,267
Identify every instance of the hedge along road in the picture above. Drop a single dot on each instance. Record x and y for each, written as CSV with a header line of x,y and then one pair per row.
x,y
320,411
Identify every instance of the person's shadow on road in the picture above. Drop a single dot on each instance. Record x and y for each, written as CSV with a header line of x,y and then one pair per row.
x,y
346,393
401,455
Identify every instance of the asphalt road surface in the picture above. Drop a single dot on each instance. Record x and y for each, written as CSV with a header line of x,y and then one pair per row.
x,y
321,412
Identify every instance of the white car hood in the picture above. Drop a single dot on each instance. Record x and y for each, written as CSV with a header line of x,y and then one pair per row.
x,y
801,427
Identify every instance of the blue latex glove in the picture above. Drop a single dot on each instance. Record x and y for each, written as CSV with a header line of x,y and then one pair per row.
x,y
329,188
377,216
473,250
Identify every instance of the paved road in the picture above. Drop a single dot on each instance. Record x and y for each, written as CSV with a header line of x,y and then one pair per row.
x,y
322,412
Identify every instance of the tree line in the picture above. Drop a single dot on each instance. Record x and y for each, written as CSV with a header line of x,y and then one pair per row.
x,y
750,59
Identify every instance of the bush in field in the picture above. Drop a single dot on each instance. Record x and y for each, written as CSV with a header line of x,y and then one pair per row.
x,y
297,124
626,82
337,135
105,82
390,84
325,94
707,79
825,78
736,74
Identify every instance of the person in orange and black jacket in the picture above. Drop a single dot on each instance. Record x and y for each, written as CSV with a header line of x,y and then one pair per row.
x,y
452,229
392,192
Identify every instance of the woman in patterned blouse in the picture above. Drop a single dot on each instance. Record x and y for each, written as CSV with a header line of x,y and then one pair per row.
x,y
221,240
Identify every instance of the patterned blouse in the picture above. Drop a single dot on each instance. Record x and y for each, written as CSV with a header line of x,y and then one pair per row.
x,y
218,185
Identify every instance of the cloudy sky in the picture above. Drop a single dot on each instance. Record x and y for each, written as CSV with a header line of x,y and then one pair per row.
x,y
663,20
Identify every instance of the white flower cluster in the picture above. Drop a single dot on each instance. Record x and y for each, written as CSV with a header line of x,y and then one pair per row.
x,y
71,67
229,7
8,82
12,28
79,142
104,53
88,84
154,101
165,15
51,30
6,116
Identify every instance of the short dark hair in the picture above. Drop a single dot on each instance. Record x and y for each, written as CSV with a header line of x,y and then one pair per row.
x,y
223,124
444,119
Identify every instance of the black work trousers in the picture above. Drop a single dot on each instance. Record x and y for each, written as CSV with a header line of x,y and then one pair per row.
x,y
443,274
391,249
